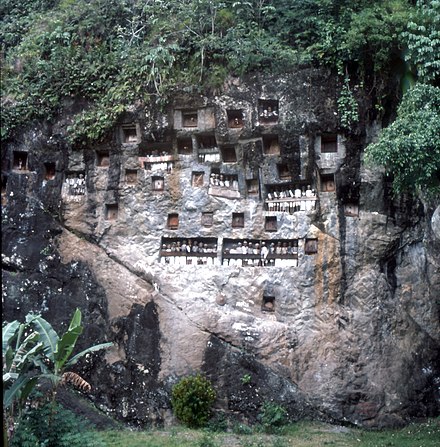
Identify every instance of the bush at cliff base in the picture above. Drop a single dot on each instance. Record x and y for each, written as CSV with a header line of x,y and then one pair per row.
x,y
192,399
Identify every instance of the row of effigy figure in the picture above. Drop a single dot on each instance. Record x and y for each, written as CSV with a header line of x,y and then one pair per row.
x,y
224,181
76,185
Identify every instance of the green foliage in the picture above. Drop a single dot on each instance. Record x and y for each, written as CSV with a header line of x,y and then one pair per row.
x,y
409,148
50,425
21,351
32,352
207,441
192,399
58,350
273,416
341,31
246,379
17,18
301,434
423,40
218,423
113,55
347,105
240,428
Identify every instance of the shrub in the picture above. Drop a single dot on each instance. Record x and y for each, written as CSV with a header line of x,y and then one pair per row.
x,y
218,423
242,429
272,416
207,441
51,425
192,398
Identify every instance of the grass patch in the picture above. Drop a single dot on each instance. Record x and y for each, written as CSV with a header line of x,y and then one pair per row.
x,y
426,434
301,434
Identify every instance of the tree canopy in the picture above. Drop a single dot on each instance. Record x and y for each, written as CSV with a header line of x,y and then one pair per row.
x,y
410,148
114,54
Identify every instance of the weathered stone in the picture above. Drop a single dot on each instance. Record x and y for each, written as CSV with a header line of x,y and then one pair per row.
x,y
353,332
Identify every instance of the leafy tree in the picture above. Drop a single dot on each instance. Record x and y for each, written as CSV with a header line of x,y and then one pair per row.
x,y
409,148
33,352
423,40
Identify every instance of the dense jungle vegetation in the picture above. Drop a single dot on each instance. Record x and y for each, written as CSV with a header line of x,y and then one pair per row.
x,y
123,53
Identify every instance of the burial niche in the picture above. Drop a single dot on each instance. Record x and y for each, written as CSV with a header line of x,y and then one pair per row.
x,y
49,171
207,219
189,118
197,179
129,134
111,211
271,145
20,161
103,159
311,246
268,111
329,143
328,183
270,223
268,304
158,183
131,176
235,119
184,146
283,171
237,220
173,221
228,154
253,187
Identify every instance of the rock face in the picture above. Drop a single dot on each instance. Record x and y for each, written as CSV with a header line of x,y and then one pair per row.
x,y
144,232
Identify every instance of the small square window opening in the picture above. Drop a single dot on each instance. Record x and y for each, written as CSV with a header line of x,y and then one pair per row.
x,y
173,221
20,160
111,211
49,171
197,179
189,118
228,154
270,223
103,159
235,119
131,176
237,220
311,246
129,134
271,145
329,143
158,183
252,187
185,146
207,219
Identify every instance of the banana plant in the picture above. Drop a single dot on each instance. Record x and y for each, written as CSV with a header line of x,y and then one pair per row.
x,y
58,350
21,353
33,352
21,350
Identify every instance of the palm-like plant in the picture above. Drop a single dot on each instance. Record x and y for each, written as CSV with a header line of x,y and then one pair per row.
x,y
32,352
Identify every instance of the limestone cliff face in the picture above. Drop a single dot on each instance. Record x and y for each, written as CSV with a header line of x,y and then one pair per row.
x,y
343,324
